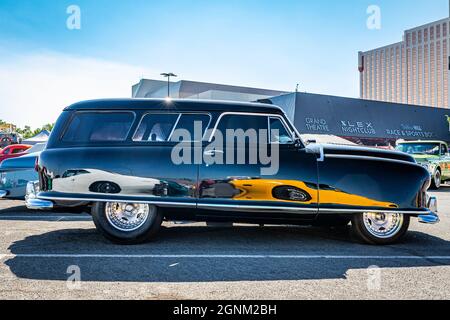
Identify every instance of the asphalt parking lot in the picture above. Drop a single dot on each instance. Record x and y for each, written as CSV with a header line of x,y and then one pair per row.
x,y
40,252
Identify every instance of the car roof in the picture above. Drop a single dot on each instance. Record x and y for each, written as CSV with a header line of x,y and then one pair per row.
x,y
173,104
422,141
18,146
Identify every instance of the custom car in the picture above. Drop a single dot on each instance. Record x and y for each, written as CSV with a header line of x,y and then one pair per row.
x,y
13,151
432,155
130,146
15,173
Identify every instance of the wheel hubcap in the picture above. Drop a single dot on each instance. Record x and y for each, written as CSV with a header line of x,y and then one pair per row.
x,y
437,179
383,225
127,217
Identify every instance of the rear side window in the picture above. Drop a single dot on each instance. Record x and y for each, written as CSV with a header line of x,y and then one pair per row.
x,y
156,127
18,150
99,127
159,127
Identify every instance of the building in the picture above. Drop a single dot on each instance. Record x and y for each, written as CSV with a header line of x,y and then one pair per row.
x,y
199,90
413,71
363,121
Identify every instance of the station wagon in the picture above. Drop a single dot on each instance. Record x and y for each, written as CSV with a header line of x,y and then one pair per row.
x,y
125,158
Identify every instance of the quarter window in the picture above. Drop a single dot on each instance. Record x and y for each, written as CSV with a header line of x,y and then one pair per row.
x,y
99,127
278,132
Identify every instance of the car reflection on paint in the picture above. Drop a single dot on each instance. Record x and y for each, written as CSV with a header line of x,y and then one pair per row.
x,y
103,182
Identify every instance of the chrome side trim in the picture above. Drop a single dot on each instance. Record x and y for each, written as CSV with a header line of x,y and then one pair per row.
x,y
157,203
238,207
229,207
3,193
368,158
375,211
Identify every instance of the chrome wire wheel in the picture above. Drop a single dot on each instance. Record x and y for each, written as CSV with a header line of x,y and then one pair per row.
x,y
383,225
127,217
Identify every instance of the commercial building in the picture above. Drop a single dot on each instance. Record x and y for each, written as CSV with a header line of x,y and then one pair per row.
x,y
363,121
183,89
413,71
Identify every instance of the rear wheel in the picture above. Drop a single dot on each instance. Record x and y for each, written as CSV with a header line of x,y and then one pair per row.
x,y
380,228
127,223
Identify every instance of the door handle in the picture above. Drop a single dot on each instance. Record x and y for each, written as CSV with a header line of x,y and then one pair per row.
x,y
212,152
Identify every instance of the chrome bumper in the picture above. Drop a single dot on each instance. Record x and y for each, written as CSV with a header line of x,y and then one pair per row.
x,y
3,193
32,202
432,217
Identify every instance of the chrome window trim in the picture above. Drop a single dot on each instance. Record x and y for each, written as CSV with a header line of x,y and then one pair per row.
x,y
268,115
174,127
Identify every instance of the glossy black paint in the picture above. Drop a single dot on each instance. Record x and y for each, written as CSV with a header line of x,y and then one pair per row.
x,y
348,180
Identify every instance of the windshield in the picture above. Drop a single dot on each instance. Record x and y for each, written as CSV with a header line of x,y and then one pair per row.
x,y
432,149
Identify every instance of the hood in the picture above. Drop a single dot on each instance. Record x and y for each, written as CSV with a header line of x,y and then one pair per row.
x,y
367,152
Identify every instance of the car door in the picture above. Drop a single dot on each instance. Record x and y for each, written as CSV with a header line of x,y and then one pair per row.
x,y
286,187
156,156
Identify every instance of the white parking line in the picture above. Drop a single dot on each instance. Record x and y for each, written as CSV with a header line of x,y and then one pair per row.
x,y
56,218
222,256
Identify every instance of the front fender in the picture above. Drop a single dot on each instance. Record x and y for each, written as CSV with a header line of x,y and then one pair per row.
x,y
369,183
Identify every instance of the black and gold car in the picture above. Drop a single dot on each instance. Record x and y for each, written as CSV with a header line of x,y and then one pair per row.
x,y
123,158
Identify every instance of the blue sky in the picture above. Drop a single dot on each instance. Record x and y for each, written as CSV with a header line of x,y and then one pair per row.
x,y
268,44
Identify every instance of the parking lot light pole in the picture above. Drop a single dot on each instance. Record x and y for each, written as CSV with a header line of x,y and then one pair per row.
x,y
168,75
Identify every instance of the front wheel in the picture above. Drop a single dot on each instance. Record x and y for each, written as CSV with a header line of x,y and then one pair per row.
x,y
380,228
436,181
127,223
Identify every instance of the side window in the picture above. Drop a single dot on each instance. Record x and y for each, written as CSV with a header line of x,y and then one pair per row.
x,y
7,151
99,127
278,132
195,124
444,149
18,150
156,127
244,122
